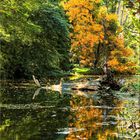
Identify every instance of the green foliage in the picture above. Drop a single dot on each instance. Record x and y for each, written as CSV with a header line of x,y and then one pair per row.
x,y
34,38
131,30
132,86
128,14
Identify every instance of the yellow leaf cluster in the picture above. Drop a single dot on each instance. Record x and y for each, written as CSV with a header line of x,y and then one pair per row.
x,y
110,17
120,29
102,12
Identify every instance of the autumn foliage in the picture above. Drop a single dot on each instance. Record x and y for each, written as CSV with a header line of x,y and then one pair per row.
x,y
86,30
120,57
96,36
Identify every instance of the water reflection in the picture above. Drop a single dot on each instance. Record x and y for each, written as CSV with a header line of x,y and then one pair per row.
x,y
24,118
74,115
95,116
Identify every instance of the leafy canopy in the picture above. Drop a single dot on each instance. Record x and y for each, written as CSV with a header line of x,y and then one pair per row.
x,y
96,36
34,37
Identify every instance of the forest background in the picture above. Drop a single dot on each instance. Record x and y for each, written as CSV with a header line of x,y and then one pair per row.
x,y
59,37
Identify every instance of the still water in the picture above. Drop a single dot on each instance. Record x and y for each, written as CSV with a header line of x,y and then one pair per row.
x,y
70,115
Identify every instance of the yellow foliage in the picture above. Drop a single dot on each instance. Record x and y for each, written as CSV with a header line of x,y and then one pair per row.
x,y
101,36
102,12
110,17
131,64
120,29
128,52
87,32
97,27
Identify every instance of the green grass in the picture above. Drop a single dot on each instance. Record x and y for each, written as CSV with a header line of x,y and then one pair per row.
x,y
87,71
81,70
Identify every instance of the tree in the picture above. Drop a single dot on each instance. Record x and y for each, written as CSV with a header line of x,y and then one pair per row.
x,y
128,17
95,35
34,38
86,31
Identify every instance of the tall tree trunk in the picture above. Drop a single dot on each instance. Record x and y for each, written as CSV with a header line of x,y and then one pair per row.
x,y
118,8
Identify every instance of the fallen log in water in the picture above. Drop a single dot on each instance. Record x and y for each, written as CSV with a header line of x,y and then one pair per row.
x,y
105,82
87,86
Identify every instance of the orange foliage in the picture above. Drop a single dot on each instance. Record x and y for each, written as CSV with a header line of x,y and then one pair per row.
x,y
113,62
120,58
86,31
93,25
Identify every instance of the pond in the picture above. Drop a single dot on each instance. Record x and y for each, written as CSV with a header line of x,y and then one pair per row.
x,y
71,115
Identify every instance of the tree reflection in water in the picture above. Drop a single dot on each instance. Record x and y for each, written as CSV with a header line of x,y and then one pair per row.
x,y
95,117
74,115
25,119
